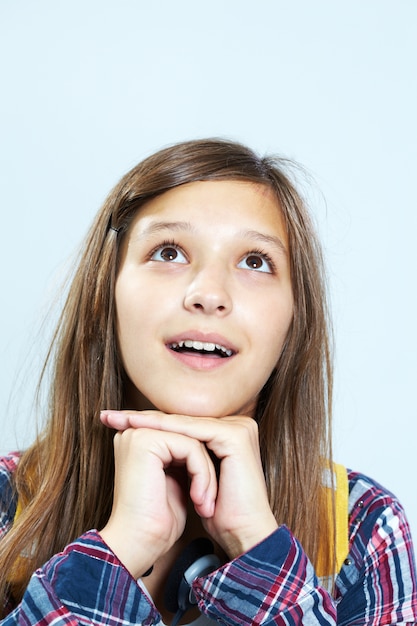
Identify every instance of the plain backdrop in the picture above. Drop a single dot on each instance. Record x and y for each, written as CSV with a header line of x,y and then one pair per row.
x,y
90,87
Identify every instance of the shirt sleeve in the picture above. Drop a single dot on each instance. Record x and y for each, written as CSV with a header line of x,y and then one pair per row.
x,y
273,583
85,584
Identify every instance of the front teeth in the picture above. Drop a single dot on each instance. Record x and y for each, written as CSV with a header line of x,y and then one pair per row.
x,y
202,345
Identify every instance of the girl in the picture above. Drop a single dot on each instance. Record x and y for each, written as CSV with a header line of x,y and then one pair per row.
x,y
196,328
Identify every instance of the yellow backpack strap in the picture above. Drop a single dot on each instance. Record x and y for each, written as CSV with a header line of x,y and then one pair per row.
x,y
18,510
341,500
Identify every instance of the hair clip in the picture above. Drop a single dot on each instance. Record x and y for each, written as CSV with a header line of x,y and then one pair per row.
x,y
110,225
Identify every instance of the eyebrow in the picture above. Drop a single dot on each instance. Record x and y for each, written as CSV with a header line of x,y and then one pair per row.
x,y
156,227
252,235
263,238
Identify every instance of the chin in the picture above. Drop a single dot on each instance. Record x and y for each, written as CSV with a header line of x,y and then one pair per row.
x,y
195,411
205,409
194,407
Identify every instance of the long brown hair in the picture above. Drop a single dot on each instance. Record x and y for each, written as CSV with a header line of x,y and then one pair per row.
x,y
64,482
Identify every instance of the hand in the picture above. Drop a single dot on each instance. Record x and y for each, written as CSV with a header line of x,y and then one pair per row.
x,y
151,493
241,516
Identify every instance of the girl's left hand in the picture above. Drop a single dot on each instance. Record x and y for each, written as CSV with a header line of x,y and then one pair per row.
x,y
242,516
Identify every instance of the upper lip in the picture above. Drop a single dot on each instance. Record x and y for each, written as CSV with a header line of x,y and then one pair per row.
x,y
196,335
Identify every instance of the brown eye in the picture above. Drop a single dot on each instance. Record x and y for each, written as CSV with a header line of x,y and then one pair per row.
x,y
257,261
254,262
169,254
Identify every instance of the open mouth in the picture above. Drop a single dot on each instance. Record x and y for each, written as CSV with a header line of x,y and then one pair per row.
x,y
201,347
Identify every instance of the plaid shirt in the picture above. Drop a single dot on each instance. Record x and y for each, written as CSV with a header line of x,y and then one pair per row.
x,y
273,583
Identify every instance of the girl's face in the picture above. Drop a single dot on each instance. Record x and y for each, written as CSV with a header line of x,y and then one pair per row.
x,y
204,298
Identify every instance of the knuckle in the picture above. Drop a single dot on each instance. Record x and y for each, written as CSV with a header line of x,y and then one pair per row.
x,y
132,437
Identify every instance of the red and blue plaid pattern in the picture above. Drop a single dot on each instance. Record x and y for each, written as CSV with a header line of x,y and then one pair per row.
x,y
274,583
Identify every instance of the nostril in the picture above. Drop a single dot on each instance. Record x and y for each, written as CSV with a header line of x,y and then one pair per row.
x,y
215,300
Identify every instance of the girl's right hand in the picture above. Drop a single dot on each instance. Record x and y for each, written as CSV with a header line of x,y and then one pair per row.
x,y
152,474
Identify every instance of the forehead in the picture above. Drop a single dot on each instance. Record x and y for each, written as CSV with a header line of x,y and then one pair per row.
x,y
214,205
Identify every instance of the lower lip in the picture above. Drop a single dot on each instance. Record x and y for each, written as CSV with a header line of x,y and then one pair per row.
x,y
200,362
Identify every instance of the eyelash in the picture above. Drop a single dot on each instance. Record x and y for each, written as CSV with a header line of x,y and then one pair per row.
x,y
170,243
167,243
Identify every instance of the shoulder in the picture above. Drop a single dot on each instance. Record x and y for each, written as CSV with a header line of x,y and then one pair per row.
x,y
9,463
367,495
8,466
378,527
378,577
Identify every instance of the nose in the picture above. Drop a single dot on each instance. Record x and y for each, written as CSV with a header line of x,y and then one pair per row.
x,y
208,293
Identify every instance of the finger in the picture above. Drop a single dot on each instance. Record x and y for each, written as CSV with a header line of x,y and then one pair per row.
x,y
119,420
202,428
171,450
175,449
225,436
203,488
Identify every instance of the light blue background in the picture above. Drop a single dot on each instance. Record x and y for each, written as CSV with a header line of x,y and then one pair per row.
x,y
89,87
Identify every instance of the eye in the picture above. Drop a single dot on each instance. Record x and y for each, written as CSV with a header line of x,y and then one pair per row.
x,y
168,253
258,261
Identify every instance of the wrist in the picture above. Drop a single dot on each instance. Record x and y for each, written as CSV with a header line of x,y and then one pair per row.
x,y
238,543
137,558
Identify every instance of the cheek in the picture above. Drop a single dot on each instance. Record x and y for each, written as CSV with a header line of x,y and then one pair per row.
x,y
130,299
273,331
129,318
